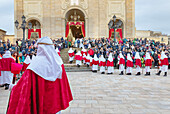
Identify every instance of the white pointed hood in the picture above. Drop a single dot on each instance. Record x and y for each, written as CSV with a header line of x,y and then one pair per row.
x,y
95,57
84,50
110,57
70,50
121,56
7,55
102,59
137,56
129,57
27,60
148,56
47,63
57,50
78,53
88,57
163,56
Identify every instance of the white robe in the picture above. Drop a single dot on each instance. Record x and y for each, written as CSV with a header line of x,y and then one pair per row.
x,y
1,78
129,70
110,69
121,67
147,69
164,68
78,62
95,67
102,69
71,58
7,77
138,69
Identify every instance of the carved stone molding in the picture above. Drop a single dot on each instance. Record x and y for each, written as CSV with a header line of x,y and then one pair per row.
x,y
67,3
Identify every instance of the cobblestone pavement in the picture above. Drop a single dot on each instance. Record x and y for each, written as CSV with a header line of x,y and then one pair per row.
x,y
104,94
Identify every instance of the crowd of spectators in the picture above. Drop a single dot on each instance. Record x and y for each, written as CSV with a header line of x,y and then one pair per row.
x,y
100,46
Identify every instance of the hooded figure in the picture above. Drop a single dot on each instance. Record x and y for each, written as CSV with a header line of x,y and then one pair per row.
x,y
110,65
88,58
26,63
148,64
129,64
71,55
138,64
121,63
84,58
102,64
163,64
58,51
78,59
1,85
95,64
44,86
6,75
84,51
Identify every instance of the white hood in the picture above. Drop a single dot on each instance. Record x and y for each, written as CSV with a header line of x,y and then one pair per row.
x,y
137,56
129,57
27,60
47,63
110,57
102,59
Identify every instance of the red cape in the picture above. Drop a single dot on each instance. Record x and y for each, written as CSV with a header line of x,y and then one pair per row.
x,y
165,61
110,64
138,62
6,63
78,57
25,66
95,62
129,63
35,95
91,52
148,62
102,63
122,61
71,54
82,52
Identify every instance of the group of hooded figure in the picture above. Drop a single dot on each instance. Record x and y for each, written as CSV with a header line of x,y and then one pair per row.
x,y
95,62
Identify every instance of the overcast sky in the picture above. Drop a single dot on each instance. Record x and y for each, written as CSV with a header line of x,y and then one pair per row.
x,y
150,15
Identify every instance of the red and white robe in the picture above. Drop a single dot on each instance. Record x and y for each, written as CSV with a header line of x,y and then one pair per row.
x,y
148,64
121,64
110,67
129,65
95,65
138,65
6,75
78,59
71,56
35,95
102,65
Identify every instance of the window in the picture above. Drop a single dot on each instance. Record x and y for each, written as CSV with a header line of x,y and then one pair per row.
x,y
74,2
162,39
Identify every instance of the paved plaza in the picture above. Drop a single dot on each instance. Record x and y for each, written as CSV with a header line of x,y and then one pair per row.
x,y
104,94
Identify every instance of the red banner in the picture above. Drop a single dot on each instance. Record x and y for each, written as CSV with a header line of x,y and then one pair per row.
x,y
118,30
81,24
36,31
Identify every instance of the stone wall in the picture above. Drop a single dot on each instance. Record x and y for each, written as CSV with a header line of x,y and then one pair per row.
x,y
51,15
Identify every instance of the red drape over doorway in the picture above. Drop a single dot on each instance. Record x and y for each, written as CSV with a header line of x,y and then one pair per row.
x,y
118,30
30,31
75,23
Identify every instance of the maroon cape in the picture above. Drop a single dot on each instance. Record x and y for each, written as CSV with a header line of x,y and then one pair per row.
x,y
35,95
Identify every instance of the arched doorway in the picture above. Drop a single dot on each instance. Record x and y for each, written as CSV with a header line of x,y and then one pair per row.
x,y
119,31
35,31
74,24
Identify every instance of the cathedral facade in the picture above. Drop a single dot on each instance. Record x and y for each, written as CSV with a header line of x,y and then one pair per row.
x,y
78,18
